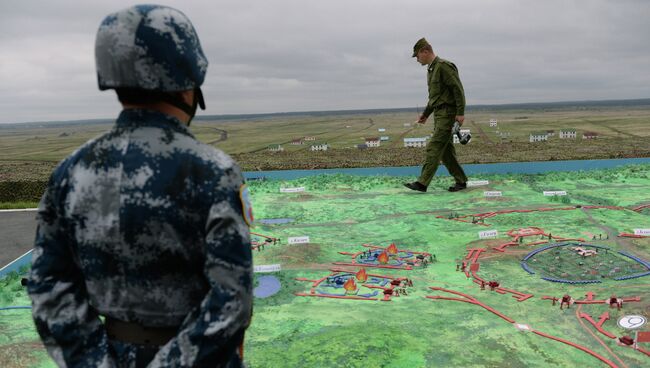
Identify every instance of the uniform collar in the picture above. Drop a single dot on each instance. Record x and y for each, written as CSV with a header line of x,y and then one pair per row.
x,y
135,118
433,63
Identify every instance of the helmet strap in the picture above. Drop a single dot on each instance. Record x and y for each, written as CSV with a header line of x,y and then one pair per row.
x,y
177,101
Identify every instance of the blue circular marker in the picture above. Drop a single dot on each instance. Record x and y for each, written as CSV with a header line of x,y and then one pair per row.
x,y
267,286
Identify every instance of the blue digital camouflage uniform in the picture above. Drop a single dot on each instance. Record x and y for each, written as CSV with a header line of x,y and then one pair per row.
x,y
144,224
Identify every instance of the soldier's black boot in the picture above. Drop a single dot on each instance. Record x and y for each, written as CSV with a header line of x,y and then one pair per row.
x,y
457,187
416,186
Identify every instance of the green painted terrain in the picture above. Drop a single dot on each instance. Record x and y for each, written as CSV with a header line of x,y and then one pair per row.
x,y
341,213
562,263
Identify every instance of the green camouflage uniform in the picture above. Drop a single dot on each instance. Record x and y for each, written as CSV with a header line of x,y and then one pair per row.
x,y
446,101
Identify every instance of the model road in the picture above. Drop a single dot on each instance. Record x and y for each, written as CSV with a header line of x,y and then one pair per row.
x,y
18,229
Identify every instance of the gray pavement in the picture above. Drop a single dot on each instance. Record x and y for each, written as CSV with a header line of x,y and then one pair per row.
x,y
17,231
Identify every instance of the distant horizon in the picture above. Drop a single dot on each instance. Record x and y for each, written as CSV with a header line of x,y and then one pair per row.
x,y
508,106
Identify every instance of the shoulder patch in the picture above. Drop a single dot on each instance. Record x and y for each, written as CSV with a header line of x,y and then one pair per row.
x,y
247,206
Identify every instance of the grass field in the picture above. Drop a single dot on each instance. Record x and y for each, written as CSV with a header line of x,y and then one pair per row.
x,y
341,213
623,132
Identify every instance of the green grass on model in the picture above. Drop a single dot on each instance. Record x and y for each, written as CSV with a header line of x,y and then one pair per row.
x,y
341,213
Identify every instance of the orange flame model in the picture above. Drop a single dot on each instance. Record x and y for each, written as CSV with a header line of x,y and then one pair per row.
x,y
392,249
350,285
362,276
383,258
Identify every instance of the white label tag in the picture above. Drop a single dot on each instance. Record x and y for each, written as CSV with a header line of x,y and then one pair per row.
x,y
551,193
381,130
488,234
267,268
292,190
522,327
298,240
492,194
642,232
477,183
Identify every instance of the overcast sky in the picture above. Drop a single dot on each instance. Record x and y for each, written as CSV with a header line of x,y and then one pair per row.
x,y
303,55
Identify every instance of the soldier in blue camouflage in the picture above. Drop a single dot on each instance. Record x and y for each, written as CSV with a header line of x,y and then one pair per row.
x,y
142,253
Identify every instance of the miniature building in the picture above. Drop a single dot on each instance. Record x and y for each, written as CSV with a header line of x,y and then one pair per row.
x,y
538,137
550,133
310,138
415,142
585,252
373,142
297,142
567,133
275,148
319,147
627,340
383,138
493,122
589,135
362,146
462,131
381,130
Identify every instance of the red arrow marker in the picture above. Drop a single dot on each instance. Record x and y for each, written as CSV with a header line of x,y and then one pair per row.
x,y
590,296
588,318
603,317
599,324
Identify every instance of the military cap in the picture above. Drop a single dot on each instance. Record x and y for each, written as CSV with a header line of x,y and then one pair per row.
x,y
418,45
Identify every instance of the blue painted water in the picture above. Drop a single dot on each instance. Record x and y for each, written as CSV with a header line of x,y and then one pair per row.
x,y
268,286
537,167
17,264
275,221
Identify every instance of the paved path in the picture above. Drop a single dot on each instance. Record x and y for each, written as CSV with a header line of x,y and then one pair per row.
x,y
17,231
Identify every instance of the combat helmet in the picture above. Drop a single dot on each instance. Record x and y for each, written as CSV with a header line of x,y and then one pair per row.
x,y
153,48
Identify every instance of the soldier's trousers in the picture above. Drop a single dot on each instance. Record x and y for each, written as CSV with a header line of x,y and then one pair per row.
x,y
441,148
128,355
132,355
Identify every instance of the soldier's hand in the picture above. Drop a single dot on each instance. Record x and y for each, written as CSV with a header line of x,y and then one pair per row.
x,y
421,120
460,119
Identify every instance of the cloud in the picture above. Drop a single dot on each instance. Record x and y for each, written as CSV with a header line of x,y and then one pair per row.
x,y
295,55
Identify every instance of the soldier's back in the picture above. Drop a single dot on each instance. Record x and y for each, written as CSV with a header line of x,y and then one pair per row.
x,y
137,199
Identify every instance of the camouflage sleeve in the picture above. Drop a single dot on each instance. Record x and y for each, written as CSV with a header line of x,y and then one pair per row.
x,y
211,333
451,79
69,328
